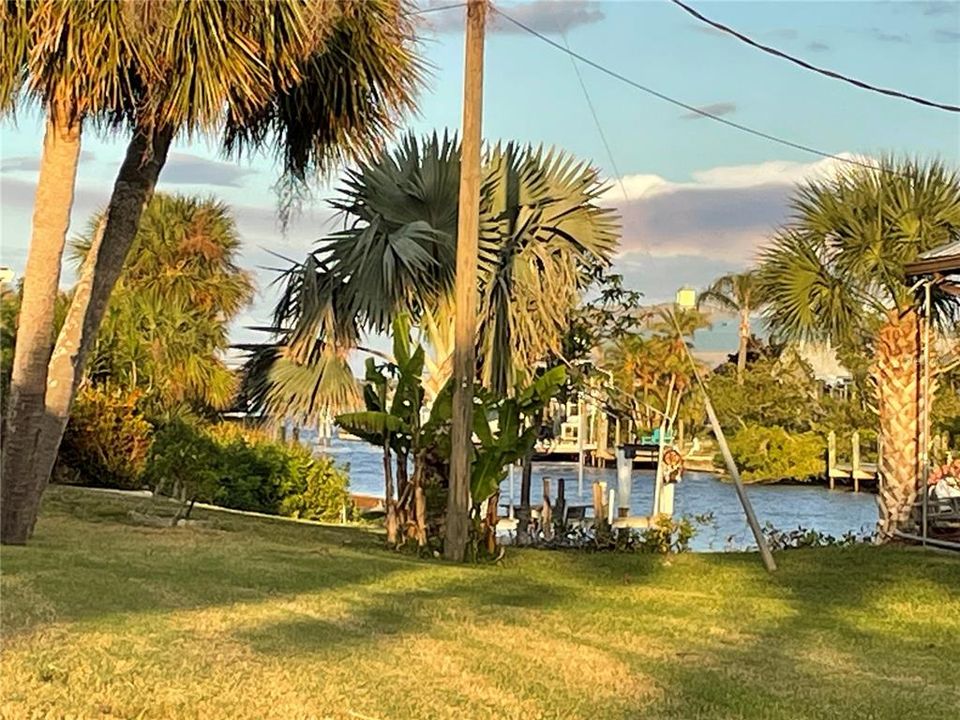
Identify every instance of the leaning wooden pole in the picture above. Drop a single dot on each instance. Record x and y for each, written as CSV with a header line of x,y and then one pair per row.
x,y
468,227
765,553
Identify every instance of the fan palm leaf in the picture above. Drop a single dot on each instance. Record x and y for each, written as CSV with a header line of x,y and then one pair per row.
x,y
543,236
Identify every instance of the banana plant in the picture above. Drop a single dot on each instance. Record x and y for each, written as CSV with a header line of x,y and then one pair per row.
x,y
394,426
515,434
505,429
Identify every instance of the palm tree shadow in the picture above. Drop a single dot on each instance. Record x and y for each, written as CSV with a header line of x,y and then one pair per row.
x,y
831,646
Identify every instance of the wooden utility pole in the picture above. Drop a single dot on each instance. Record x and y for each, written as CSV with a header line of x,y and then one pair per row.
x,y
468,229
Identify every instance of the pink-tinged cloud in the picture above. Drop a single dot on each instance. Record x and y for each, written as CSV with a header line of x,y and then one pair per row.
x,y
724,213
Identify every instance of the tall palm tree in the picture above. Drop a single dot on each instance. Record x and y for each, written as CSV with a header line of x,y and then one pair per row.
x,y
835,273
73,60
166,326
318,81
738,293
542,239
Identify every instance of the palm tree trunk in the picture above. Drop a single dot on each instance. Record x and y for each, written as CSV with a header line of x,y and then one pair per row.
x,y
744,340
402,515
526,479
895,372
20,497
420,507
490,524
136,180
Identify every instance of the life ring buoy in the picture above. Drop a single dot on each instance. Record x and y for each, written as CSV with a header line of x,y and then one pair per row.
x,y
673,465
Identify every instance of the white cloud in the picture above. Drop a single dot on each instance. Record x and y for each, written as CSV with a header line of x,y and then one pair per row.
x,y
772,172
722,214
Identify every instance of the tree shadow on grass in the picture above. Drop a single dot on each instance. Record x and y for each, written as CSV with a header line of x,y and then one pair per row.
x,y
854,644
89,572
796,644
382,614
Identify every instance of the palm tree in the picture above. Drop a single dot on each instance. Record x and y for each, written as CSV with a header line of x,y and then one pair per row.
x,y
543,238
835,273
73,60
319,81
738,293
649,369
166,326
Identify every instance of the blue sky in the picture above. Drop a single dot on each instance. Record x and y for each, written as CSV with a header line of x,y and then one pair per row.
x,y
702,196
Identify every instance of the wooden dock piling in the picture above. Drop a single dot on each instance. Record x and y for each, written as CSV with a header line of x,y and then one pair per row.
x,y
857,470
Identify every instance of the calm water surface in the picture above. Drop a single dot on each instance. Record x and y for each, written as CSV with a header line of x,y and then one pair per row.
x,y
786,507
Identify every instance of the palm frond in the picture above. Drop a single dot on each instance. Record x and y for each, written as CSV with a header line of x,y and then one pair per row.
x,y
360,77
15,42
543,238
279,385
838,265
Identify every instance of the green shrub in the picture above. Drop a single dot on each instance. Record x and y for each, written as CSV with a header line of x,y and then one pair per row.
x,y
246,470
107,440
321,491
772,453
184,462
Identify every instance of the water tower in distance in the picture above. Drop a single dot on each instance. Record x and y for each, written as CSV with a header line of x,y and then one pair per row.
x,y
686,298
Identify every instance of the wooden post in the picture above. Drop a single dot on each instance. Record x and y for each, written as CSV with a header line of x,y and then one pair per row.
x,y
768,562
624,482
465,290
603,433
658,483
855,460
611,505
831,456
765,553
561,504
616,434
546,514
666,499
580,433
598,516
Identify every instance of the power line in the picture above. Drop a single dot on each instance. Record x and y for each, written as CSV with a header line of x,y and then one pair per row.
x,y
436,8
808,66
679,103
596,121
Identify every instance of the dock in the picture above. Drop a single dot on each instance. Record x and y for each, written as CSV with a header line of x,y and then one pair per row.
x,y
856,471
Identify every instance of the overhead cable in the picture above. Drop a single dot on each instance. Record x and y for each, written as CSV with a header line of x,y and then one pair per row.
x,y
679,103
809,66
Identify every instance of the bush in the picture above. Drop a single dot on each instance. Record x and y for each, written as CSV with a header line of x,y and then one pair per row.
x,y
107,440
184,462
321,491
775,392
246,470
772,453
664,536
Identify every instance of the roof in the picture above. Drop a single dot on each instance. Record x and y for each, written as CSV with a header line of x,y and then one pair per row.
x,y
942,260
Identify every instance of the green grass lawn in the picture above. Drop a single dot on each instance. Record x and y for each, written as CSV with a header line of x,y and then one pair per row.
x,y
251,618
